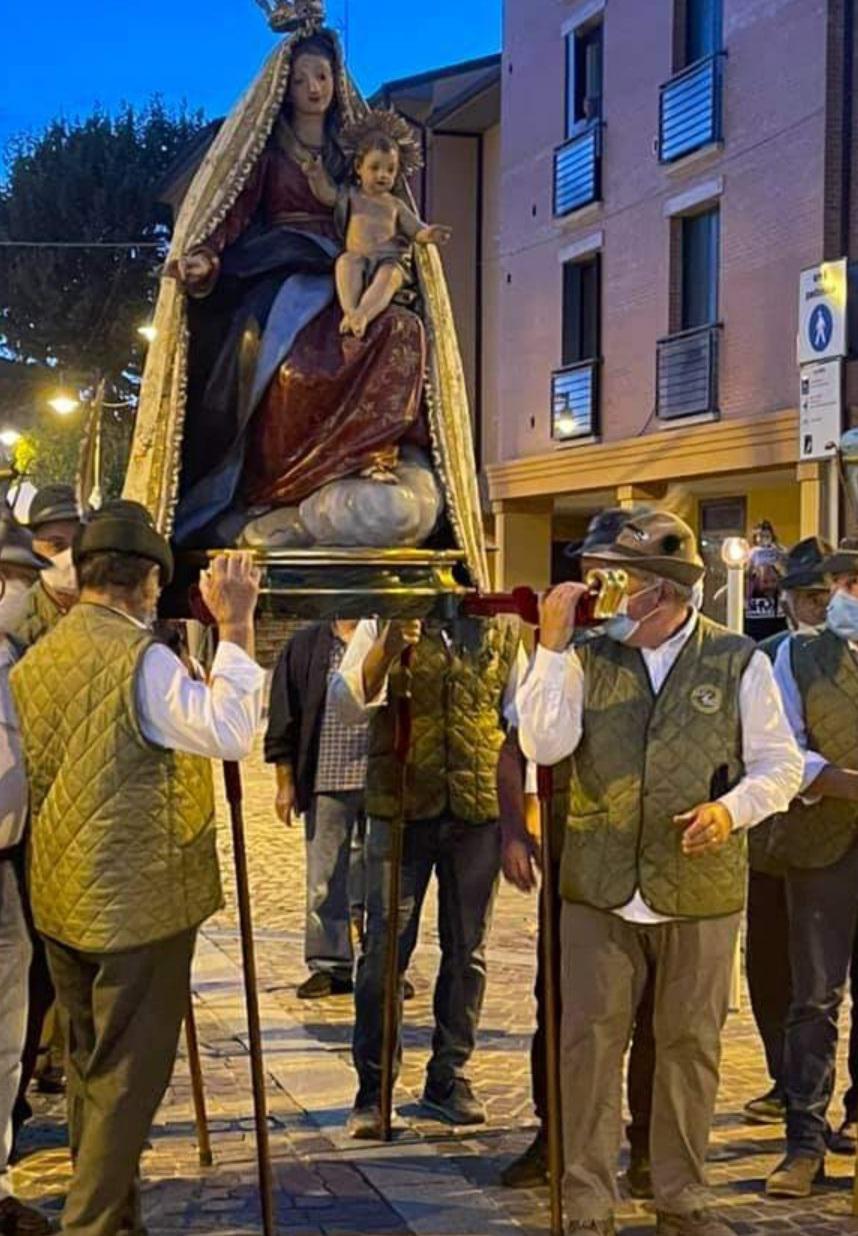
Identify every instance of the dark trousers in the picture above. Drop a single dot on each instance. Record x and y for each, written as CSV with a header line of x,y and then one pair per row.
x,y
40,999
466,862
768,966
122,1013
641,1067
823,915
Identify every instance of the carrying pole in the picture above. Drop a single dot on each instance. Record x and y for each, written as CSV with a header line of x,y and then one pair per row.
x,y
550,953
204,1145
392,994
232,782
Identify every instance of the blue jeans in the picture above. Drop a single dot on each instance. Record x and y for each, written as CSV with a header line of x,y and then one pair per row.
x,y
823,914
335,879
466,861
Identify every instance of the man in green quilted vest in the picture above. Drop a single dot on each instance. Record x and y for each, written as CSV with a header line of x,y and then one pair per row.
x,y
818,677
804,592
679,744
461,676
53,519
118,736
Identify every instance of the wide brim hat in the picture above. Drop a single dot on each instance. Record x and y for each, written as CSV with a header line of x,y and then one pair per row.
x,y
659,543
51,504
124,527
844,559
16,545
602,530
806,565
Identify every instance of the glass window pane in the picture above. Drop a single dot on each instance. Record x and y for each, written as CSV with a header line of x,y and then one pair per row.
x,y
700,270
702,29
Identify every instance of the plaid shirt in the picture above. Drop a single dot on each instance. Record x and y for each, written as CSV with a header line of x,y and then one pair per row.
x,y
342,748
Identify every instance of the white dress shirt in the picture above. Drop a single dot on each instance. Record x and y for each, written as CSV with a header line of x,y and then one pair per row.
x,y
814,763
346,690
551,718
13,779
217,718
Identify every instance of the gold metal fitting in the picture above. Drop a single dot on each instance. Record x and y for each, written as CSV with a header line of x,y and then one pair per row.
x,y
609,587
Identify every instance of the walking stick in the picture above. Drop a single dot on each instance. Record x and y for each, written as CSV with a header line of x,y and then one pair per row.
x,y
549,946
232,782
390,1023
204,1145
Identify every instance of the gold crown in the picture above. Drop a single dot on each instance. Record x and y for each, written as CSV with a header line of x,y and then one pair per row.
x,y
285,16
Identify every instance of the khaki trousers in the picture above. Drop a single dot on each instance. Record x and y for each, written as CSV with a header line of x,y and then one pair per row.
x,y
121,1013
604,971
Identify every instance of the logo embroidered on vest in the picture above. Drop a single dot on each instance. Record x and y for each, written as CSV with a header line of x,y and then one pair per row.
x,y
707,698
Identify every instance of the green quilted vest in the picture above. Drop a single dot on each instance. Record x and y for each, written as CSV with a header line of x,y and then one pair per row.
x,y
826,673
456,697
41,615
122,843
644,759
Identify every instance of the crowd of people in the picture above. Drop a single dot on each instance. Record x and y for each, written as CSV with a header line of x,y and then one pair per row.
x,y
695,775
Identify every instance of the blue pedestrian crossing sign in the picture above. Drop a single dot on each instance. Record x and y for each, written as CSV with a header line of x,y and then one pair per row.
x,y
822,312
820,328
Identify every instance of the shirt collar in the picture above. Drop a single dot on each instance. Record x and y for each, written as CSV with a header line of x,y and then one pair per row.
x,y
678,640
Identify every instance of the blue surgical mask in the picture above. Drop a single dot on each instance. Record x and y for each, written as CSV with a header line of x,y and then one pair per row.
x,y
622,627
842,615
697,595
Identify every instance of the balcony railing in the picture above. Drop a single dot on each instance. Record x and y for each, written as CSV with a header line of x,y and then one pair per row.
x,y
691,109
687,373
575,401
578,171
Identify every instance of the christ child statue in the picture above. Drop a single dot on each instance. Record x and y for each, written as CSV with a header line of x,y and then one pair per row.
x,y
379,227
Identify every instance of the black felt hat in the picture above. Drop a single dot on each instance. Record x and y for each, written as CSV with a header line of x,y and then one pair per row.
x,y
806,564
52,503
123,527
844,559
16,544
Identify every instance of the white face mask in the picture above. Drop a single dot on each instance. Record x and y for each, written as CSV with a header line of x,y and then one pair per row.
x,y
13,604
697,595
842,615
60,575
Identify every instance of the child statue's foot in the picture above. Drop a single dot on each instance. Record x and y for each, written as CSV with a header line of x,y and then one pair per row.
x,y
377,472
346,324
358,323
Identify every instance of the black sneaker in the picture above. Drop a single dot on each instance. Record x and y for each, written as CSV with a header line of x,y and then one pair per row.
x,y
321,985
454,1101
51,1081
845,1139
16,1219
530,1169
769,1108
364,1123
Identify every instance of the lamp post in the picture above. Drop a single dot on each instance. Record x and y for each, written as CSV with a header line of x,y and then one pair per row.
x,y
735,554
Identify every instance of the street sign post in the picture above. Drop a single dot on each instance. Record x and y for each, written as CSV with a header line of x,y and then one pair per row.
x,y
822,312
820,416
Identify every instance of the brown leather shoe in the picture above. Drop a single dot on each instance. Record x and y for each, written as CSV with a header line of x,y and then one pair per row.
x,y
696,1223
795,1176
16,1219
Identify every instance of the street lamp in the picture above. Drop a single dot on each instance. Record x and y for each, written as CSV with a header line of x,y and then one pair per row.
x,y
735,554
64,404
9,438
148,331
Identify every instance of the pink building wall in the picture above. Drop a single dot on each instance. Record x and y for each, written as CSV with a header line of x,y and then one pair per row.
x,y
770,171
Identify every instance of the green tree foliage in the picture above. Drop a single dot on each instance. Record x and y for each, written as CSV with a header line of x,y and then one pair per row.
x,y
91,180
50,448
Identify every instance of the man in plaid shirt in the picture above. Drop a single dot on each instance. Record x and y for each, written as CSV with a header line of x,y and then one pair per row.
x,y
321,769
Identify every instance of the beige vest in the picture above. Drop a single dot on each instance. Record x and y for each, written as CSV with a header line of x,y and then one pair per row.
x,y
122,847
644,759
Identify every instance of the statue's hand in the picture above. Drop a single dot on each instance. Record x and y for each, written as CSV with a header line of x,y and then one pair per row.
x,y
196,269
434,234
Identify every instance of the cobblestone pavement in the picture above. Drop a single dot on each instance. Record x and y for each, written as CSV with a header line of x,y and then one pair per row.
x,y
431,1180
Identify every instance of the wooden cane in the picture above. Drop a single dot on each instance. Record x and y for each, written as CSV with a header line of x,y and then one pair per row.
x,y
550,952
232,782
204,1145
390,1023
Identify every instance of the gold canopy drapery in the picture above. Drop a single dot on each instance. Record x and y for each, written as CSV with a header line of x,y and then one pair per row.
x,y
156,452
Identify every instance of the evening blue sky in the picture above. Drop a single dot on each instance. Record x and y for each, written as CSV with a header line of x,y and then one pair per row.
x,y
60,57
